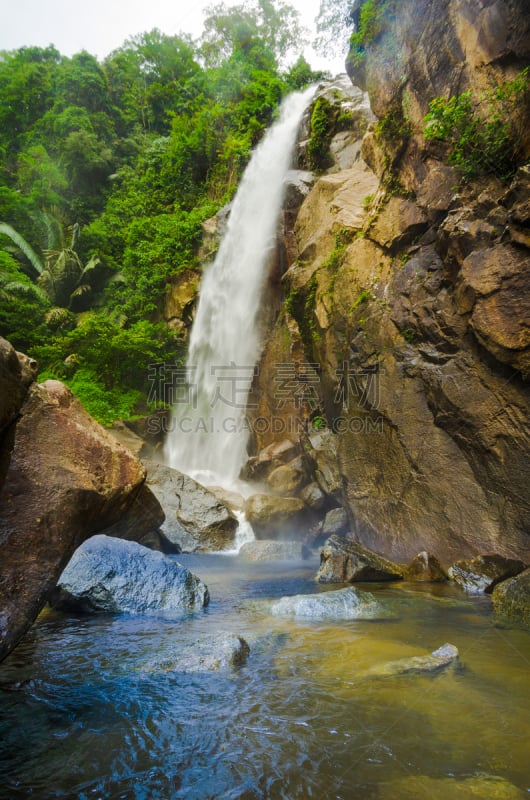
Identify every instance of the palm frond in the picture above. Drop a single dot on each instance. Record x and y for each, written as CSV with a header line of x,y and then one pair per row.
x,y
21,243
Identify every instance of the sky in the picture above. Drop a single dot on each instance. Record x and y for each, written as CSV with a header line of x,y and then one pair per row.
x,y
100,26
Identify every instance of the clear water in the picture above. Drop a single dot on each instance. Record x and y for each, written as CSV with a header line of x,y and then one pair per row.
x,y
301,720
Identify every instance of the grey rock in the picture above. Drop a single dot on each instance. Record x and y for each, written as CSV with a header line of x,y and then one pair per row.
x,y
347,603
435,661
211,654
272,550
335,522
484,572
114,576
344,561
196,519
313,496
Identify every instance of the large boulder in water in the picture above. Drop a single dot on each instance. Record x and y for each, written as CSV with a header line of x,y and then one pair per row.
x,y
341,604
511,599
277,517
344,561
439,659
112,575
222,651
68,479
484,572
196,519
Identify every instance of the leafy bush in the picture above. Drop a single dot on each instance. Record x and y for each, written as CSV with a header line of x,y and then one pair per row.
x,y
368,27
322,126
481,138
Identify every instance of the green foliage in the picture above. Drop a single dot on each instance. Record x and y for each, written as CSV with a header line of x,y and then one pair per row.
x,y
363,297
130,156
322,125
393,127
335,260
481,138
368,27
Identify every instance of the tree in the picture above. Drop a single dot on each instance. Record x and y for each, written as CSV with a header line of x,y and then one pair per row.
x,y
335,23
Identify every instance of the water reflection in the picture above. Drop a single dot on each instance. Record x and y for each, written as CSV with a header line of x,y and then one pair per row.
x,y
80,718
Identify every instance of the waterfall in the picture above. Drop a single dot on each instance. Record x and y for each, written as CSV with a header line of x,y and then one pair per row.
x,y
209,433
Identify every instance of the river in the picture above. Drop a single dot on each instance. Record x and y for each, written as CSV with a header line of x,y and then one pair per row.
x,y
82,718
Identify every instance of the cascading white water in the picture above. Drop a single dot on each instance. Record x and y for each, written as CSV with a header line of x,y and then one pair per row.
x,y
208,433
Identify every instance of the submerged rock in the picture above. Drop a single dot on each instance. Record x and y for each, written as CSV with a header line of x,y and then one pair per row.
x,y
211,654
483,573
425,568
196,519
344,561
68,479
341,604
272,550
478,787
511,599
114,576
437,660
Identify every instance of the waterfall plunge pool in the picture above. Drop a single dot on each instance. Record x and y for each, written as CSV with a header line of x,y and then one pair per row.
x,y
79,719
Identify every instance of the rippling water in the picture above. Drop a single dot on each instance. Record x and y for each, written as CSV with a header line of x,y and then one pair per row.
x,y
81,717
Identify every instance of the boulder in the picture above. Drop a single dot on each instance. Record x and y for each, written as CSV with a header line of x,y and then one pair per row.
x,y
483,573
16,374
276,517
114,576
288,479
271,550
425,568
341,604
435,661
344,561
313,496
68,479
511,599
222,651
196,519
398,223
141,523
335,522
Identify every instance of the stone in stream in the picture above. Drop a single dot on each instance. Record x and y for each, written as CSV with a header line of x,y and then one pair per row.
x,y
66,479
425,568
272,550
337,605
435,661
114,576
484,572
209,654
196,519
511,599
277,517
345,561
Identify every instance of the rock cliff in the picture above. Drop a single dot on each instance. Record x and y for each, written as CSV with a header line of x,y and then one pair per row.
x,y
404,327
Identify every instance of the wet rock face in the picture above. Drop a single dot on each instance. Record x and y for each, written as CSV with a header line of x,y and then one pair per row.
x,y
483,573
113,576
196,519
68,479
425,568
511,599
344,561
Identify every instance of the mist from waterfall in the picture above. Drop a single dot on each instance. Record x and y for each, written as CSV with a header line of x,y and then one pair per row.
x,y
208,433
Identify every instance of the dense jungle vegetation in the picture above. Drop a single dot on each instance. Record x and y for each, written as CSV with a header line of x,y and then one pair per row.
x,y
107,171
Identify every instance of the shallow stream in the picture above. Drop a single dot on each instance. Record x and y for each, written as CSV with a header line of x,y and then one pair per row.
x,y
81,718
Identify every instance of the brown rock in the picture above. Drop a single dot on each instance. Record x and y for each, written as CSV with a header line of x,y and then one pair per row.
x,y
344,561
277,517
398,223
272,550
288,479
511,599
484,572
68,479
499,280
425,568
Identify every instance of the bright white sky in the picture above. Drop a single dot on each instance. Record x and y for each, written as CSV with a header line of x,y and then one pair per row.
x,y
101,26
